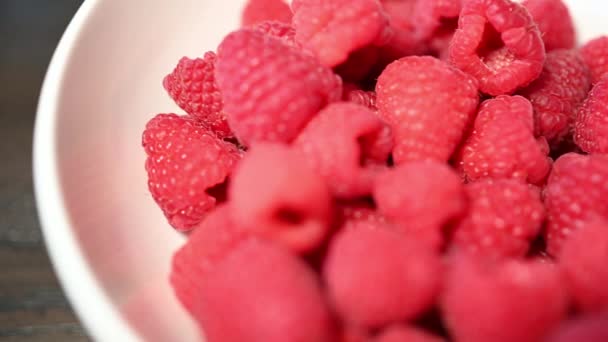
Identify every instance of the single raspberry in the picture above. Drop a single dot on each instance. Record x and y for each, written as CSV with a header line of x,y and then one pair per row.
x,y
503,219
359,64
376,276
586,328
353,94
271,90
583,259
591,122
502,144
595,54
434,17
498,43
339,144
555,95
256,11
420,197
575,192
358,211
187,167
428,103
554,22
403,333
353,334
404,40
234,285
333,29
278,29
192,86
512,301
274,194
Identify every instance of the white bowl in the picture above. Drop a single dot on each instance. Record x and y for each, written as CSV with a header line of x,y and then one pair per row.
x,y
109,243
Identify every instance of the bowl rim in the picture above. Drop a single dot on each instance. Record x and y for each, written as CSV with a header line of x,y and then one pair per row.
x,y
82,288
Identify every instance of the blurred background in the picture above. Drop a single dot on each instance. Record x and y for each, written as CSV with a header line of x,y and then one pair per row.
x,y
32,304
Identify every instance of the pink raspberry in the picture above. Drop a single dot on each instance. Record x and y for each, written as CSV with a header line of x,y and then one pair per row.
x,y
506,302
355,212
339,143
192,86
271,90
434,17
595,54
404,333
421,197
503,219
333,29
277,29
404,40
591,122
234,285
376,276
274,194
502,144
575,193
428,103
583,259
554,22
498,43
586,328
256,11
353,94
555,95
187,168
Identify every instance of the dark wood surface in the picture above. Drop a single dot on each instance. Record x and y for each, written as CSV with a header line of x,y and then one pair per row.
x,y
32,304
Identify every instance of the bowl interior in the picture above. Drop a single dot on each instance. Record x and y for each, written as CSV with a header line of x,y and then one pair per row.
x,y
107,83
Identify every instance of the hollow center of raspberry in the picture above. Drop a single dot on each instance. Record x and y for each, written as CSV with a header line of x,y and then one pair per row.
x,y
446,26
492,50
289,216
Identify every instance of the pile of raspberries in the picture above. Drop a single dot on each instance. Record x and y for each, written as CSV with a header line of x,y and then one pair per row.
x,y
390,171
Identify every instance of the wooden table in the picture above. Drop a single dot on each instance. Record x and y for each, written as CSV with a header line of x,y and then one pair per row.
x,y
32,304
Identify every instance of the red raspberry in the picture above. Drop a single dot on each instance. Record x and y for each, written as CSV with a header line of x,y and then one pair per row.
x,y
256,11
271,90
234,285
356,212
554,22
513,301
376,276
332,29
278,29
421,197
404,41
587,329
498,43
583,259
436,17
575,192
428,104
403,333
591,122
274,194
361,97
502,144
504,217
561,87
339,143
595,54
192,86
187,166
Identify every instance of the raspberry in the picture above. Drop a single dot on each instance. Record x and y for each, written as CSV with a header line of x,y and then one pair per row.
x,y
575,192
234,286
591,122
436,16
554,22
583,259
356,212
595,54
192,86
256,11
278,29
339,143
404,40
504,217
421,197
512,301
271,90
275,194
428,104
187,166
555,95
361,97
333,29
376,276
502,144
403,333
498,43
588,329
